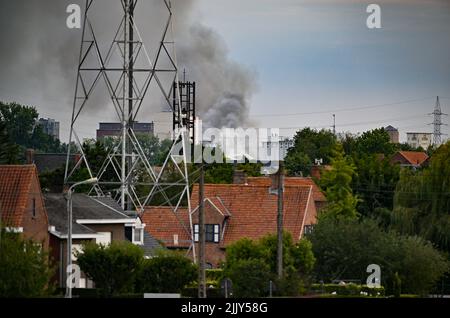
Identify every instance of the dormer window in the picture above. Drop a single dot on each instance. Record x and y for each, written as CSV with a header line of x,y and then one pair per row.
x,y
212,233
138,235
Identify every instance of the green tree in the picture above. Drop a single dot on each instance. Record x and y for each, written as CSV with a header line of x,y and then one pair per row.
x,y
113,268
309,145
344,248
24,268
9,151
20,121
375,141
250,278
168,272
298,262
336,184
23,130
422,201
374,183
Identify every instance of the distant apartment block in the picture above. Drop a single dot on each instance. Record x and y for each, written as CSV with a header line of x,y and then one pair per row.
x,y
115,129
393,134
419,139
49,126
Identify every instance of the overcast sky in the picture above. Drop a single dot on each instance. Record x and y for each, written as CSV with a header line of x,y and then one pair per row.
x,y
318,55
312,58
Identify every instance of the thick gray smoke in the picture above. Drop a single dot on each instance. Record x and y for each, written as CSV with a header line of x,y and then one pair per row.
x,y
225,87
39,56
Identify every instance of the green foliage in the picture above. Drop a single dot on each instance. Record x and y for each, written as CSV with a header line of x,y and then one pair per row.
x,y
250,278
168,272
9,151
298,262
336,183
422,201
113,268
344,249
375,141
374,183
309,145
20,124
24,268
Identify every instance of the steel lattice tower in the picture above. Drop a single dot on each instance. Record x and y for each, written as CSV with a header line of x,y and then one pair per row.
x,y
437,123
127,72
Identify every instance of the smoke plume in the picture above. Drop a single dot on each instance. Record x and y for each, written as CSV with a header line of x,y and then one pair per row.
x,y
40,56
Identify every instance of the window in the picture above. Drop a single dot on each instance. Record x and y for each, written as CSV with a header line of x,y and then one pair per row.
x,y
138,235
33,208
308,229
105,238
212,232
196,233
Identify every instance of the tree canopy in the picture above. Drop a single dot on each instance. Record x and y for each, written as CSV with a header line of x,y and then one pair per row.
x,y
309,145
25,269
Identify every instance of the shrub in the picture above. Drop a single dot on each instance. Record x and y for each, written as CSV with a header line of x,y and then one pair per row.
x,y
113,268
168,272
250,278
345,248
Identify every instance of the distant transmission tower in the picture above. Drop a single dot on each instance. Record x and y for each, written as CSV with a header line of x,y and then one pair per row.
x,y
437,123
128,75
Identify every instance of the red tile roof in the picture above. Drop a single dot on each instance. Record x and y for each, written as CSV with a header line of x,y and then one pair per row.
x,y
250,210
15,186
162,223
414,157
291,181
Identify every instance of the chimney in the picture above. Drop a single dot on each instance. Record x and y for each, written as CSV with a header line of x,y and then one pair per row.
x,y
239,177
274,183
29,156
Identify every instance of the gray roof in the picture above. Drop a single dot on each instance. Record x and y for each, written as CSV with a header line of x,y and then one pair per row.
x,y
390,128
47,162
151,245
83,207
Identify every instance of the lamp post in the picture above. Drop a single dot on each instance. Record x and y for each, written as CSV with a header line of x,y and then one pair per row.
x,y
69,230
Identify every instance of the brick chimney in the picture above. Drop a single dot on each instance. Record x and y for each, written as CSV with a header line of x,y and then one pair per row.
x,y
29,156
239,177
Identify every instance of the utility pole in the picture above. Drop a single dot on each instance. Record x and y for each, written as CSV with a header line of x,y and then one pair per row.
x,y
334,124
280,178
201,238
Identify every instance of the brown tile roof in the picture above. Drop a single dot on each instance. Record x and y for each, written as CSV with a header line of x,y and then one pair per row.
x,y
15,186
291,181
162,223
414,157
250,210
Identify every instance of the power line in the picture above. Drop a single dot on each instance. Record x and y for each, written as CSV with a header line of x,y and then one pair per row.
x,y
388,120
343,109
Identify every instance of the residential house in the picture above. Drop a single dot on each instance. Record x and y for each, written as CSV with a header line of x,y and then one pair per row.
x,y
22,208
318,196
233,212
412,159
95,219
